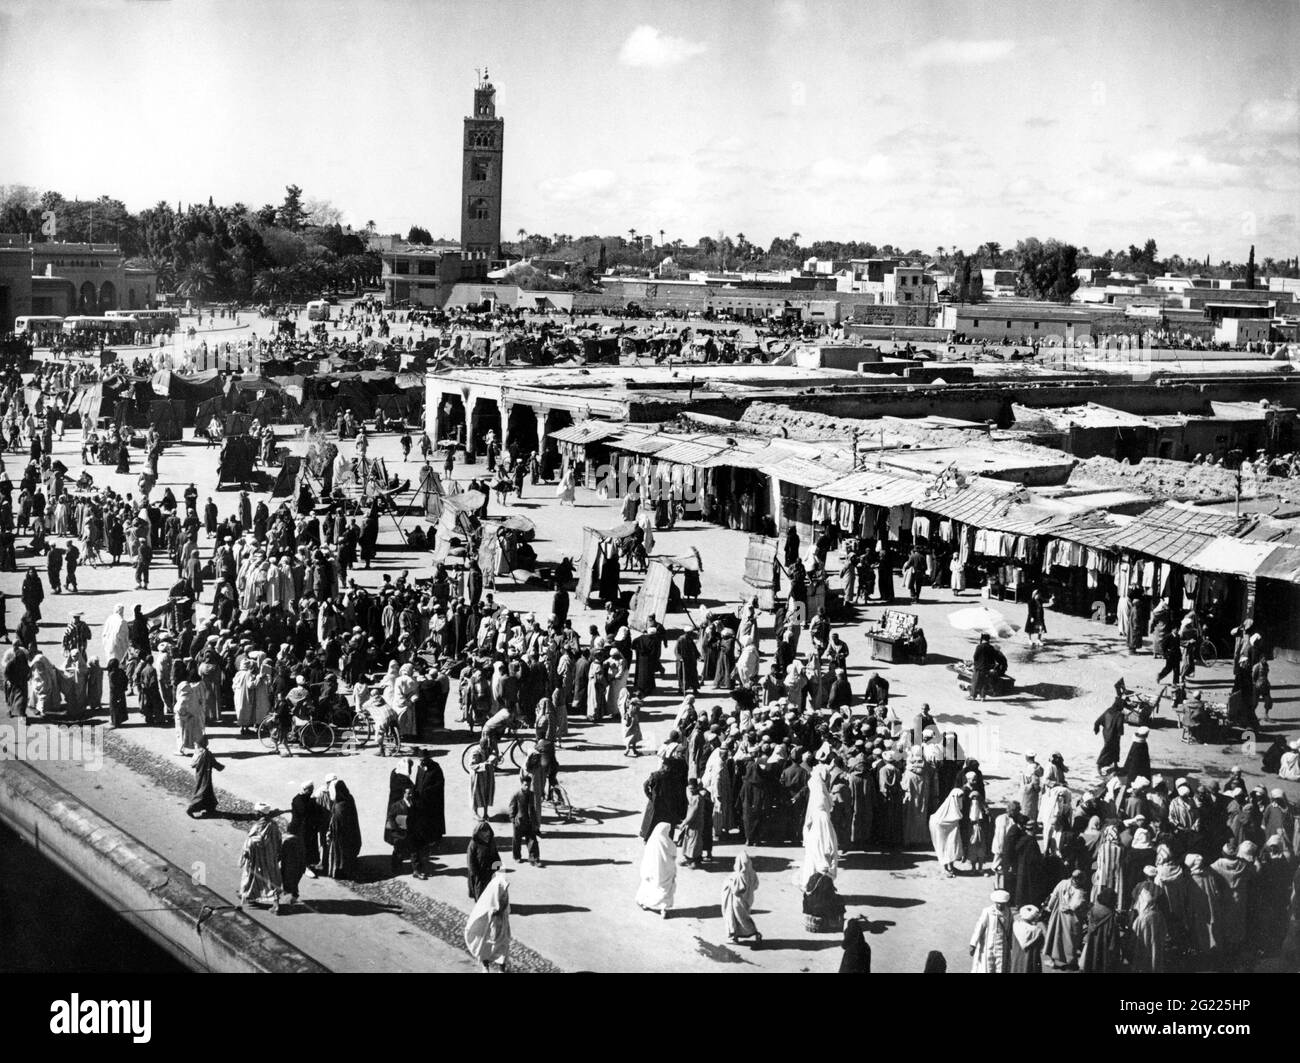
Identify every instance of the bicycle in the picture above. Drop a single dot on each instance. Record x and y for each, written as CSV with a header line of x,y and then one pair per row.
x,y
518,749
315,736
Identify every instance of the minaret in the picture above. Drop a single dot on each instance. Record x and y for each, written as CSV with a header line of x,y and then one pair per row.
x,y
480,206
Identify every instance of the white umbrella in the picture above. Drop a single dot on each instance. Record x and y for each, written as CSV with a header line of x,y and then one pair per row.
x,y
981,620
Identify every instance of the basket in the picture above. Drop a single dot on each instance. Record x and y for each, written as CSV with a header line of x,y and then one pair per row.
x,y
823,924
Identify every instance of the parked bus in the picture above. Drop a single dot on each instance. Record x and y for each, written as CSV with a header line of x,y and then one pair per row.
x,y
38,325
149,320
318,310
116,329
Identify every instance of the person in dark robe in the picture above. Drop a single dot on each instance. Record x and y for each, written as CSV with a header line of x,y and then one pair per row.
x,y
428,822
649,647
293,853
305,822
1029,886
754,801
33,593
660,805
1110,725
794,790
823,907
889,786
856,958
935,963
687,654
205,795
344,833
724,669
790,548
609,577
481,858
885,583
1137,765
863,797
1102,951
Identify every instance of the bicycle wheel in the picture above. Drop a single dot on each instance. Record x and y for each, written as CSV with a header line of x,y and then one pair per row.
x,y
519,754
1209,653
266,732
559,799
316,737
464,757
363,729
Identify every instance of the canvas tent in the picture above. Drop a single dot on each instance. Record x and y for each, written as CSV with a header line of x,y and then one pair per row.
x,y
236,465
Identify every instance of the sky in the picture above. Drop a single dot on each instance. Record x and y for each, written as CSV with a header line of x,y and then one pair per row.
x,y
934,124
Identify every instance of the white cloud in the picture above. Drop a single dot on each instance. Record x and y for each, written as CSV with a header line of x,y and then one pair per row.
x,y
1273,116
947,52
580,186
1185,169
835,171
646,46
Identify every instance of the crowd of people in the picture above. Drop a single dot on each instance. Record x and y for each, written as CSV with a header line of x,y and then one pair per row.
x,y
263,628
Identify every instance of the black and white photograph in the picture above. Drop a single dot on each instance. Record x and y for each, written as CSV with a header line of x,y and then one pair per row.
x,y
801,486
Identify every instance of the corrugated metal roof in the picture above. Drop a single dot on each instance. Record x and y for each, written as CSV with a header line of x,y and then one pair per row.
x,y
991,512
1092,529
588,431
686,452
1282,564
1176,517
801,472
875,488
1235,557
642,443
1166,544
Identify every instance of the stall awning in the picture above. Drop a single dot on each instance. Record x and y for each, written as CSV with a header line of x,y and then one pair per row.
x,y
1174,545
801,472
588,431
1232,557
874,488
1095,530
637,443
991,512
1282,564
686,452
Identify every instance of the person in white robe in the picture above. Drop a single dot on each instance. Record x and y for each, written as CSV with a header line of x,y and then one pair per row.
x,y
242,684
404,691
658,871
945,832
717,780
259,862
738,900
821,847
116,637
990,944
43,685
487,931
188,716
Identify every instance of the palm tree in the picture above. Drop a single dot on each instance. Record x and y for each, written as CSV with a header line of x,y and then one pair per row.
x,y
196,280
631,236
661,238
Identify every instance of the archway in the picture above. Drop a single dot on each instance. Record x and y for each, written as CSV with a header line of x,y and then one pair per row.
x,y
523,429
451,418
486,418
555,420
107,296
87,303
